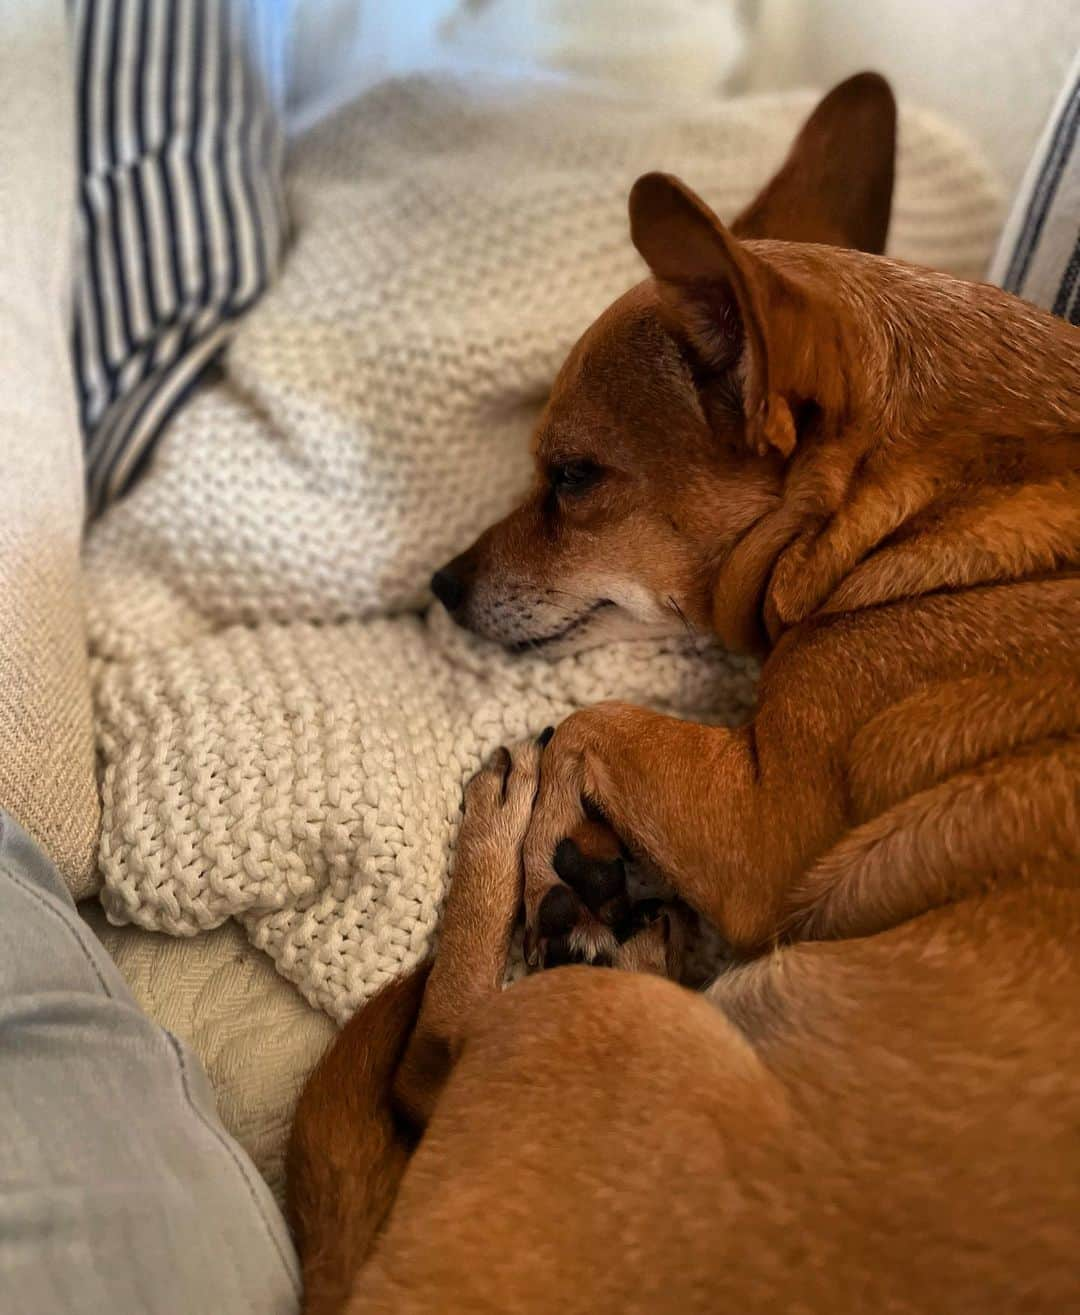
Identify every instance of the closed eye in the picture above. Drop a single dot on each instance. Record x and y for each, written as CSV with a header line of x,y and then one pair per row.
x,y
573,478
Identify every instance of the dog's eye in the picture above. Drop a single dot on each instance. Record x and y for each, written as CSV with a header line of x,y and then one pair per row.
x,y
574,477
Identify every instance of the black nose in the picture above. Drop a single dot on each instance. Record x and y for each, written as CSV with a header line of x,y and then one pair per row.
x,y
449,589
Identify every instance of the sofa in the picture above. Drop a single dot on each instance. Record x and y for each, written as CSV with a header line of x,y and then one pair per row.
x,y
242,747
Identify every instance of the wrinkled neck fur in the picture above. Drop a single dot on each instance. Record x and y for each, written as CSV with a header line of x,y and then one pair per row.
x,y
957,463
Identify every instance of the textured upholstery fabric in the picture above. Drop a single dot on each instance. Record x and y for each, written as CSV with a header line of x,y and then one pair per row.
x,y
46,738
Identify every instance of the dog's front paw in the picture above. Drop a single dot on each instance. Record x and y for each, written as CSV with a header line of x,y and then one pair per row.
x,y
576,901
577,907
497,806
585,913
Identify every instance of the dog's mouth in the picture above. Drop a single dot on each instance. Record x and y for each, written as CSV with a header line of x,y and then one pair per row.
x,y
567,631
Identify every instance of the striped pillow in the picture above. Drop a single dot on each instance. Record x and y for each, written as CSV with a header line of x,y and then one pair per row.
x,y
1038,257
181,211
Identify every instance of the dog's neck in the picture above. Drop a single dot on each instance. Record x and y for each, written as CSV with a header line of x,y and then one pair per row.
x,y
874,508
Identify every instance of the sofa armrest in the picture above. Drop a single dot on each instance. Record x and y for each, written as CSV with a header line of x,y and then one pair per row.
x,y
46,740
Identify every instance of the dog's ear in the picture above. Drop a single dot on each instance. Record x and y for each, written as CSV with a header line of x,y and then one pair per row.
x,y
721,299
836,184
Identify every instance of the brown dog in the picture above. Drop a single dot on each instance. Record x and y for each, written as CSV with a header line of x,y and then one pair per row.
x,y
869,473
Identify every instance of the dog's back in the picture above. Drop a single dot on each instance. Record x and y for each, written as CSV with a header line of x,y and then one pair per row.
x,y
891,1124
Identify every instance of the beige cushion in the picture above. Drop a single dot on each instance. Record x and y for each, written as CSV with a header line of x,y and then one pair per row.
x,y
46,740
256,1036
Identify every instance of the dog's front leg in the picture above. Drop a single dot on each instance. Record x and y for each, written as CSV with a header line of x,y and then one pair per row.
x,y
726,828
477,926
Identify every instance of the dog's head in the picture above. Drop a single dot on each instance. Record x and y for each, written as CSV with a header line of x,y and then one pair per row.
x,y
668,429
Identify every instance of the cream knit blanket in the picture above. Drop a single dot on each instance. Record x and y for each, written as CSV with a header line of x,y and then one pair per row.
x,y
282,739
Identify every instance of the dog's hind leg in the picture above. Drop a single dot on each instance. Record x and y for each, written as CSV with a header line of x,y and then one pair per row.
x,y
347,1151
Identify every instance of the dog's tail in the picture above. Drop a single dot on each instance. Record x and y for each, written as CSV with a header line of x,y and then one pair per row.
x,y
349,1147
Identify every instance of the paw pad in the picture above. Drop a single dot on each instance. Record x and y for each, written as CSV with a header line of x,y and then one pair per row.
x,y
560,910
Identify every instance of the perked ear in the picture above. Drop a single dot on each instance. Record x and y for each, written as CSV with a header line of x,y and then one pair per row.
x,y
836,184
718,297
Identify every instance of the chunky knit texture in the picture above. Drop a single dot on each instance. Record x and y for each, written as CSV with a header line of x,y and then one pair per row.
x,y
307,779
282,742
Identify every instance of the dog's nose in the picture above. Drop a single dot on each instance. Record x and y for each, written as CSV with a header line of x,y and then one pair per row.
x,y
448,588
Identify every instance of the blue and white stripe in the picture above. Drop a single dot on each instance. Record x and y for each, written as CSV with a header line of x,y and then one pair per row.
x,y
181,210
1038,257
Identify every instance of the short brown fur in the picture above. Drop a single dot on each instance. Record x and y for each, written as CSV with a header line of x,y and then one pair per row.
x,y
867,473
